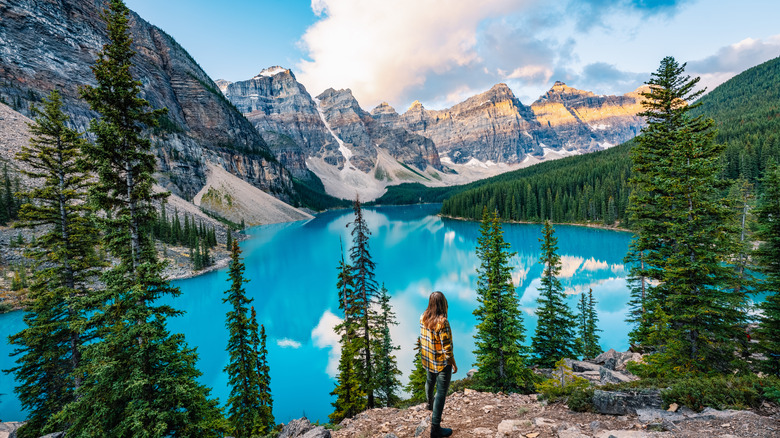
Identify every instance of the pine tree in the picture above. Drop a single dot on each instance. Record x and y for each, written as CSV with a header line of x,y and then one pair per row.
x,y
418,377
265,415
684,231
365,288
387,372
59,299
768,255
229,239
554,338
6,198
243,404
159,394
350,398
587,319
499,353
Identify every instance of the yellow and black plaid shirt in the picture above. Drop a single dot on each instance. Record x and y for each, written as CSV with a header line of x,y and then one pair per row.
x,y
436,346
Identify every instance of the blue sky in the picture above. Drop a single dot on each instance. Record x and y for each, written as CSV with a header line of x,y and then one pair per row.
x,y
442,51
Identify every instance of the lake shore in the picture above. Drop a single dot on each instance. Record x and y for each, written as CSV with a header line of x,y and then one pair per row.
x,y
576,224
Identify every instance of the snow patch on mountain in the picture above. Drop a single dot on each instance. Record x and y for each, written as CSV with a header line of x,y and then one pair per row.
x,y
270,72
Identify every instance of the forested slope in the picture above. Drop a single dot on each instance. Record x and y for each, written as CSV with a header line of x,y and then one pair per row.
x,y
593,187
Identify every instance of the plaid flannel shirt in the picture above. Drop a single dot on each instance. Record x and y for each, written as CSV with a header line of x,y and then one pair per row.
x,y
436,346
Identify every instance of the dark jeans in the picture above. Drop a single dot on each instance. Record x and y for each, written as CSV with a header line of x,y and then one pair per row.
x,y
440,381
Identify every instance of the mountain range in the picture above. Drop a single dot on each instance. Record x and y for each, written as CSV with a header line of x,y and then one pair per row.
x,y
353,151
270,132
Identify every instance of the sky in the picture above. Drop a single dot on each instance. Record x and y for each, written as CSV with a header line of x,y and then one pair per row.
x,y
441,52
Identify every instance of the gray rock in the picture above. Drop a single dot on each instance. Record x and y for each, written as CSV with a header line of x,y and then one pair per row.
x,y
302,428
611,363
471,373
650,415
625,402
609,354
608,376
571,432
506,427
391,435
421,427
9,429
580,367
55,435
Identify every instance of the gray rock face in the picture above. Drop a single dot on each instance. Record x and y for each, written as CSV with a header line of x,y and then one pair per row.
x,y
490,126
625,402
275,102
52,45
587,122
302,428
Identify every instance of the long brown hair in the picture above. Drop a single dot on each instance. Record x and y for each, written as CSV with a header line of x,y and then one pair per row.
x,y
436,312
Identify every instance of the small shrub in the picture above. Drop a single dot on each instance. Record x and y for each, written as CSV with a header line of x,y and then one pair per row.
x,y
719,392
564,386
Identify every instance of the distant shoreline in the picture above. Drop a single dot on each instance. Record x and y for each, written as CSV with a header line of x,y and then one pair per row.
x,y
575,224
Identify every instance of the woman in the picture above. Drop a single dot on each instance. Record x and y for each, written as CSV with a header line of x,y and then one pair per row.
x,y
437,358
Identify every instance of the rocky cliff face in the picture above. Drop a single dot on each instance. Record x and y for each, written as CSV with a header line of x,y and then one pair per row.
x,y
275,102
492,126
344,145
587,122
52,44
487,134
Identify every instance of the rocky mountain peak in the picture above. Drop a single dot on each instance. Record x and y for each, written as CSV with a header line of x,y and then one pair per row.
x,y
223,85
272,71
383,109
562,92
416,105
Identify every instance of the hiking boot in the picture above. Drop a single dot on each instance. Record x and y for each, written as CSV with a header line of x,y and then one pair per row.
x,y
438,432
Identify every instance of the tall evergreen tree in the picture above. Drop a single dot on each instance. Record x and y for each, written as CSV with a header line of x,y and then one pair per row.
x,y
499,352
684,231
365,289
159,394
416,385
243,404
587,326
350,398
768,255
265,415
59,299
554,338
387,372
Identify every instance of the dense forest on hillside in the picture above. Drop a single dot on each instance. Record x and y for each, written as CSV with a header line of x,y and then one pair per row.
x,y
593,187
576,189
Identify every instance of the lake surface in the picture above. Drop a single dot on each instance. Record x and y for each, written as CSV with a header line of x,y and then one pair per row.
x,y
292,272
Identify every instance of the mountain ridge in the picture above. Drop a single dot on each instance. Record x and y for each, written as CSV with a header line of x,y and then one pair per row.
x,y
486,134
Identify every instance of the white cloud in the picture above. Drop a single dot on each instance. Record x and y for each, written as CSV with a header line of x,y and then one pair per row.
x,y
324,336
731,60
569,266
381,49
594,265
288,343
540,73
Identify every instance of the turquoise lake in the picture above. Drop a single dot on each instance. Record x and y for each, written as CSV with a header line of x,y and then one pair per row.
x,y
292,272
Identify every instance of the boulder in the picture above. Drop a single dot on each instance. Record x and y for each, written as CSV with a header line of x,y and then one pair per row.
x,y
9,429
615,360
609,354
606,375
625,402
580,367
571,432
302,428
506,427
